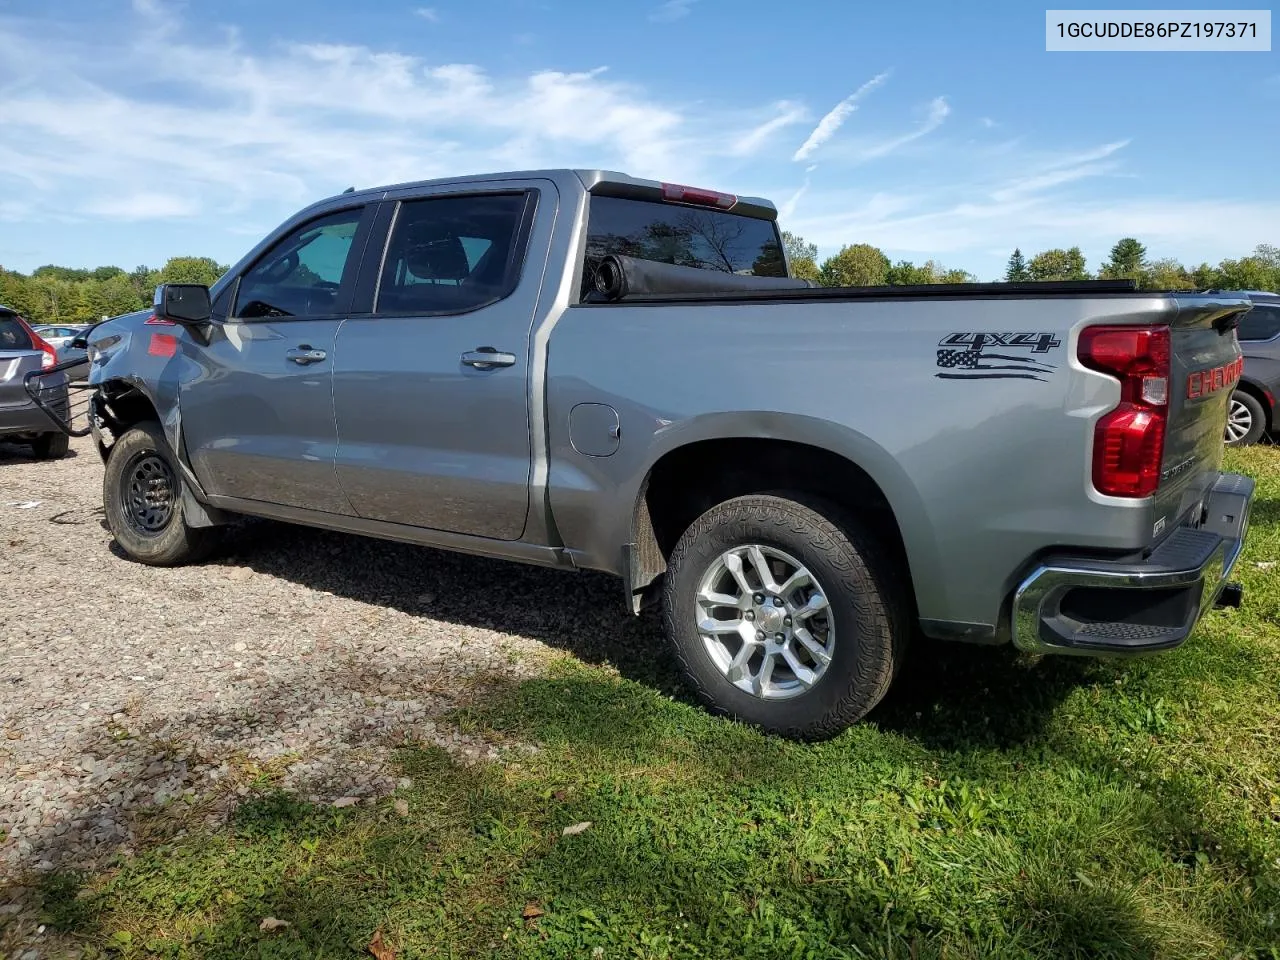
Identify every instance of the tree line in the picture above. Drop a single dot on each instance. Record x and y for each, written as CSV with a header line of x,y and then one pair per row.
x,y
863,265
52,294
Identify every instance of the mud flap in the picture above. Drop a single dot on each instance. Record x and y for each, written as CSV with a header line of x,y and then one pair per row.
x,y
197,514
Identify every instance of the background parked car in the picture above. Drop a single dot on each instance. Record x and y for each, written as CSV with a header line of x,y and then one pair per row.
x,y
22,351
61,336
1253,404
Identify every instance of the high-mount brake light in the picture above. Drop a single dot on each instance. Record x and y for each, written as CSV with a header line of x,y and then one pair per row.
x,y
677,193
1128,442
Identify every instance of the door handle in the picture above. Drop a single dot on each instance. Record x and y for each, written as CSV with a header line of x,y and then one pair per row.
x,y
486,358
305,354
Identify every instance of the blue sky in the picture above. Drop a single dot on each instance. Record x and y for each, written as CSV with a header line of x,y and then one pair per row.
x,y
135,130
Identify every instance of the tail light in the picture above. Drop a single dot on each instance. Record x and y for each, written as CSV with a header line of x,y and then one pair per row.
x,y
50,358
1128,442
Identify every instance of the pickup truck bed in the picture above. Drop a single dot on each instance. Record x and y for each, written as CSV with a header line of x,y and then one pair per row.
x,y
582,369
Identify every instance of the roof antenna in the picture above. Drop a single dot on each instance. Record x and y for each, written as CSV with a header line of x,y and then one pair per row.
x,y
349,190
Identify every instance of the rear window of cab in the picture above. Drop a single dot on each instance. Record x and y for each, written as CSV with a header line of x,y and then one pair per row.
x,y
686,236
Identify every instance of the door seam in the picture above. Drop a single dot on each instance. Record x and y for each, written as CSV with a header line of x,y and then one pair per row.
x,y
333,416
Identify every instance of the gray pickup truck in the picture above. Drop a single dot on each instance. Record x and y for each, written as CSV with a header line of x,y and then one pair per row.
x,y
584,370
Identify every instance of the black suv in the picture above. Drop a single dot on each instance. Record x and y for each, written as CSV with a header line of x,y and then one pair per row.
x,y
1253,404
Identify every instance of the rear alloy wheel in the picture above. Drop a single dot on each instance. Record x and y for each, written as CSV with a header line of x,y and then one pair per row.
x,y
142,496
1246,420
784,613
765,621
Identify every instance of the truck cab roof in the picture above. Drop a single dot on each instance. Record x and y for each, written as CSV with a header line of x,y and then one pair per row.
x,y
603,182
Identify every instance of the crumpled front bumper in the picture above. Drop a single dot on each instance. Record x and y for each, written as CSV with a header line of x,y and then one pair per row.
x,y
1085,606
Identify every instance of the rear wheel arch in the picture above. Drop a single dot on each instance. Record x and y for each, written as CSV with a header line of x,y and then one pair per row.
x,y
689,479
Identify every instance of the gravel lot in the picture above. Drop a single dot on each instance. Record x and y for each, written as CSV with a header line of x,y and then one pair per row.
x,y
130,691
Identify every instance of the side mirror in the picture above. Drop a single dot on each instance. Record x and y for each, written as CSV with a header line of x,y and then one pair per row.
x,y
184,303
79,342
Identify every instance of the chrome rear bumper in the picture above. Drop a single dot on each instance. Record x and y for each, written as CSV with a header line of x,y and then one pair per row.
x,y
1085,606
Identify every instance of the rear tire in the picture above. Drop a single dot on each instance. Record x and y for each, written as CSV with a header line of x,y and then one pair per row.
x,y
142,496
1246,420
51,446
836,640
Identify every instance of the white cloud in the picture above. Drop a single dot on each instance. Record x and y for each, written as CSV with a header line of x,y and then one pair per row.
x,y
938,112
142,206
229,128
1088,156
788,208
1050,178
986,203
672,10
836,117
752,140
429,14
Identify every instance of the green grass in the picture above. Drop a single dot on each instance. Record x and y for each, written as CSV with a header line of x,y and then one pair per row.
x,y
991,807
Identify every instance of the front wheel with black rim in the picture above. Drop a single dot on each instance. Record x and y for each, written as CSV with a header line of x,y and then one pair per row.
x,y
142,496
784,613
1246,420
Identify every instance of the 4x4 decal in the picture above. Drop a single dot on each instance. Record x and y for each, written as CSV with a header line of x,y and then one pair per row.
x,y
975,356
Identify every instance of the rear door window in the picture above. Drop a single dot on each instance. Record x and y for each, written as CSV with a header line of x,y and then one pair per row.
x,y
1260,323
687,236
13,335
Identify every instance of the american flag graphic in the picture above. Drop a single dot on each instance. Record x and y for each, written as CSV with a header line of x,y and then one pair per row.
x,y
976,365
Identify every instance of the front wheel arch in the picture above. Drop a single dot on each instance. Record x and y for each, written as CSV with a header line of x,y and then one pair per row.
x,y
119,405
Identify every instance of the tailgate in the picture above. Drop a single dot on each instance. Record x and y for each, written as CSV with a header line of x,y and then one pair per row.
x,y
1205,363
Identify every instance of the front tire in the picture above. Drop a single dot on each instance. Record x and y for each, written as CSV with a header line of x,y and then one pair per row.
x,y
1246,420
785,614
51,446
142,496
